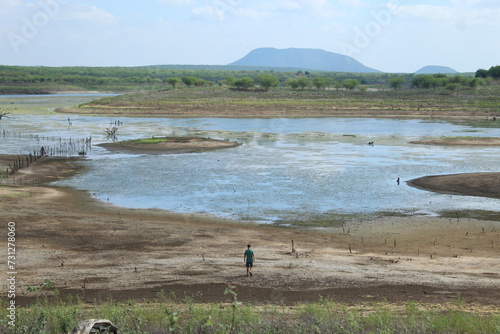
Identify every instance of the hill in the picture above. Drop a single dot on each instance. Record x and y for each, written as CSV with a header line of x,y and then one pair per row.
x,y
306,59
431,69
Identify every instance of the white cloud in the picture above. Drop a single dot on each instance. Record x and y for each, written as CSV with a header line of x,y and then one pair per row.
x,y
429,12
322,8
220,10
478,3
81,12
354,3
175,2
209,12
57,9
7,5
251,13
290,5
446,14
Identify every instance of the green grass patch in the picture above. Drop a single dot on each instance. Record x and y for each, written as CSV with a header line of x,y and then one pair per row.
x,y
320,220
471,214
324,316
470,138
19,194
419,101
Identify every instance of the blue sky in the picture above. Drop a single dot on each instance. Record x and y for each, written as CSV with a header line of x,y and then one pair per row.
x,y
391,36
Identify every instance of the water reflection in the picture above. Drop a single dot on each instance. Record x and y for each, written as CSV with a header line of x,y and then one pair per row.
x,y
285,167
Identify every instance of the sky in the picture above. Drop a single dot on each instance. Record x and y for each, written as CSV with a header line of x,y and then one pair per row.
x,y
397,37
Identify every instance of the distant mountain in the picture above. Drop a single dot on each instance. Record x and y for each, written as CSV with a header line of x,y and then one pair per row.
x,y
225,68
435,69
305,59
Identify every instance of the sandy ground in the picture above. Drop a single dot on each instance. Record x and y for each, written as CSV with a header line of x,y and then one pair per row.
x,y
100,251
174,146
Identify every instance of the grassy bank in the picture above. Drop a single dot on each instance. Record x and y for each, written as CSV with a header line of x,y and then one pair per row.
x,y
324,316
223,101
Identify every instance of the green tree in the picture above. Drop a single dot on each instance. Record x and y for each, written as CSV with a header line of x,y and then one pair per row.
x,y
320,83
267,81
424,81
293,83
200,82
174,81
230,81
296,83
494,72
304,82
396,82
244,83
189,81
475,82
337,85
350,84
481,73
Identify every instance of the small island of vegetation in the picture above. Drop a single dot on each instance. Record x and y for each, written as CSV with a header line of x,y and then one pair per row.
x,y
169,145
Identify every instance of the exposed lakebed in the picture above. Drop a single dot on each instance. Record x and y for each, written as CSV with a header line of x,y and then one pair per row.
x,y
285,167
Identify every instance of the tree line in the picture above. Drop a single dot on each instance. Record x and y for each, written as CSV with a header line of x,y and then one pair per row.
x,y
159,76
493,72
89,76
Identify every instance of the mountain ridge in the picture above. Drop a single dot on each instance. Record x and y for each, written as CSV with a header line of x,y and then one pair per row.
x,y
434,69
307,59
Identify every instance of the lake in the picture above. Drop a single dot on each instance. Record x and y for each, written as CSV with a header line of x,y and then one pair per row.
x,y
285,168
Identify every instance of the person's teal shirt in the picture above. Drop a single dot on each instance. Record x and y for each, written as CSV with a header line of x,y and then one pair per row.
x,y
249,255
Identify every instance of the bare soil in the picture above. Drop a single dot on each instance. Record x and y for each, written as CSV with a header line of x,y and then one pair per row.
x,y
472,184
473,141
174,145
99,251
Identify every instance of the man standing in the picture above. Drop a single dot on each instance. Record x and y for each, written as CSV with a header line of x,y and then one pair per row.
x,y
249,258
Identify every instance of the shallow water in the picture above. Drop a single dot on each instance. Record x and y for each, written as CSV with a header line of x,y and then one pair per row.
x,y
284,168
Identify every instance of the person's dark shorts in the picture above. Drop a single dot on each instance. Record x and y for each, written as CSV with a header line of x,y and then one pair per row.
x,y
249,264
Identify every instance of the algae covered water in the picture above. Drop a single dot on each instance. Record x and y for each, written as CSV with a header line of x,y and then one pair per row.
x,y
285,167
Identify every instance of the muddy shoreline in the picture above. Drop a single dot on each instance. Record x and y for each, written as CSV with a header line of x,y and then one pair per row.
x,y
473,141
469,184
100,252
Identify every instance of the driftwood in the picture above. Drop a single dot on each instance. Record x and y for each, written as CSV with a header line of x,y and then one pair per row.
x,y
4,113
111,131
